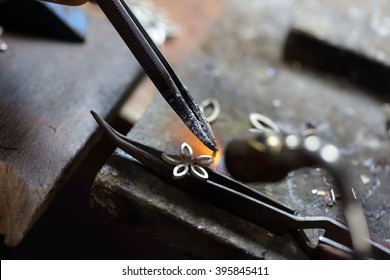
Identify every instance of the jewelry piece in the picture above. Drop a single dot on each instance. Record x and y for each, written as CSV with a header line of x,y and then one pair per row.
x,y
213,104
262,122
186,163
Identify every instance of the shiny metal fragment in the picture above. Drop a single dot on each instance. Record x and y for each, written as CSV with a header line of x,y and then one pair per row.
x,y
333,195
353,193
3,45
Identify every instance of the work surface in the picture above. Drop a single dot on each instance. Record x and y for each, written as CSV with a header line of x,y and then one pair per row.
x,y
47,89
248,65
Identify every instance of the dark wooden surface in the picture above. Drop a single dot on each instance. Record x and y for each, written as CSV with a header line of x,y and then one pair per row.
x,y
241,63
47,88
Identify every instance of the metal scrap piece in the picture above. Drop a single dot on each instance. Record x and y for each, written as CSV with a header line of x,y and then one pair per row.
x,y
3,45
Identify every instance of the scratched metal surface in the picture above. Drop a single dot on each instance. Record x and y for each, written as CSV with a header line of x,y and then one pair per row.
x,y
359,18
240,63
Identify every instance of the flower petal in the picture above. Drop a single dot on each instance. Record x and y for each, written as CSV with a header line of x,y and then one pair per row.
x,y
203,160
186,151
171,158
199,172
180,171
262,122
213,107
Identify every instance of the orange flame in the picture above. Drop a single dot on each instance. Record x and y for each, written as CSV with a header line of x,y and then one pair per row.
x,y
180,133
199,148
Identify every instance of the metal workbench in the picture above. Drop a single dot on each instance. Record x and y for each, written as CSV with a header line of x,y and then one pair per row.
x,y
251,61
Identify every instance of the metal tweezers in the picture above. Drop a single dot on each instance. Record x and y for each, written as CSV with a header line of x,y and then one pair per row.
x,y
158,69
248,203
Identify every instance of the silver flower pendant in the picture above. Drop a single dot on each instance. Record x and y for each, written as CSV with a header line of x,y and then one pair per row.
x,y
185,163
